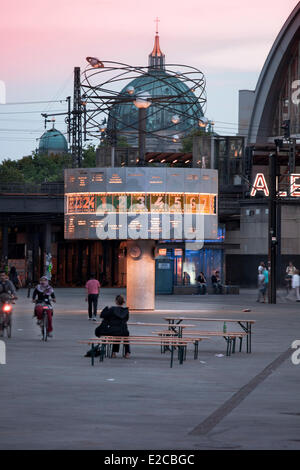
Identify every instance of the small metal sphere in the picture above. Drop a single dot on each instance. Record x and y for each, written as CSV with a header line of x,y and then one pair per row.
x,y
130,90
142,100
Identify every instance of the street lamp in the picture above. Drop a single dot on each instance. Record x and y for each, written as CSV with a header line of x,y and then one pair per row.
x,y
203,122
142,100
142,103
95,63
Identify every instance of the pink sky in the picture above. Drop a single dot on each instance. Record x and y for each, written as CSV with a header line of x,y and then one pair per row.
x,y
43,40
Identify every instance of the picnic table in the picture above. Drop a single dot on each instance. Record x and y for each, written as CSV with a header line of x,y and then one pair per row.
x,y
176,328
171,342
245,324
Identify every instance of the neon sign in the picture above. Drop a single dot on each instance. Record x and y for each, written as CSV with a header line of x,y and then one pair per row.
x,y
260,184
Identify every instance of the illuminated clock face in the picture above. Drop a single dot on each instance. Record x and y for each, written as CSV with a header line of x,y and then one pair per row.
x,y
135,252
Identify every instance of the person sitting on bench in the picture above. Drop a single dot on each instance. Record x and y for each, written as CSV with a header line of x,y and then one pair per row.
x,y
216,283
201,280
115,324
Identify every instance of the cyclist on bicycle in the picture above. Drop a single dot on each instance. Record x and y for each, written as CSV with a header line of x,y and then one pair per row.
x,y
6,286
43,294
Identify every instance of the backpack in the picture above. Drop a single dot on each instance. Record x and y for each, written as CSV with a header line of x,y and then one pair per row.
x,y
96,350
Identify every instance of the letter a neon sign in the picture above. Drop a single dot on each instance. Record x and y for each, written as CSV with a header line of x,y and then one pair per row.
x,y
260,184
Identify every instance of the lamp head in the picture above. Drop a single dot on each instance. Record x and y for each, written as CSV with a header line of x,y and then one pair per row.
x,y
95,63
130,90
203,121
142,100
175,119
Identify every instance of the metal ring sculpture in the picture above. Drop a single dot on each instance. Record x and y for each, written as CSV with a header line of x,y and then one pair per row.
x,y
185,100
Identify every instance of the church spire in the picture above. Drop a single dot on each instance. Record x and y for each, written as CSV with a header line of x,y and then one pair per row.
x,y
156,57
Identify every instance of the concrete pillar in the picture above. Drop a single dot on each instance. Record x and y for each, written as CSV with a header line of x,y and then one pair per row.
x,y
140,275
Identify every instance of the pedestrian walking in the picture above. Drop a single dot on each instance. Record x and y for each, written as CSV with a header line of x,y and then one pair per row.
x,y
15,278
266,282
296,284
92,293
261,267
289,273
261,287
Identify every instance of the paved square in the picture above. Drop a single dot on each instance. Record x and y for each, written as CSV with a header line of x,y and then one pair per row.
x,y
51,397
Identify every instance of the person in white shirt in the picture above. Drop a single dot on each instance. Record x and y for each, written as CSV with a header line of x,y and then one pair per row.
x,y
296,284
261,287
261,267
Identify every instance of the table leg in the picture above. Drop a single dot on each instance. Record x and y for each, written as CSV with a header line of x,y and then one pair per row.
x,y
92,355
172,352
249,327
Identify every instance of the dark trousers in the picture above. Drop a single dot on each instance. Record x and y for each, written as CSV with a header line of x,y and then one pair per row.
x,y
201,289
217,288
93,303
116,347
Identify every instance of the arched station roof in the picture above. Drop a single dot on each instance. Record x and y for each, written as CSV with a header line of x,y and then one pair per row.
x,y
270,80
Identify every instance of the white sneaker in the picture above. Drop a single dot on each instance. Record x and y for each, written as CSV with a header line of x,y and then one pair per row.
x,y
94,319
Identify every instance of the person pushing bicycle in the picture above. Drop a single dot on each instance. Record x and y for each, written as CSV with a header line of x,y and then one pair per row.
x,y
43,294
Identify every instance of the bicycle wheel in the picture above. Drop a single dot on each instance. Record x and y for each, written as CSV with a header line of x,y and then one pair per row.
x,y
1,325
8,326
45,326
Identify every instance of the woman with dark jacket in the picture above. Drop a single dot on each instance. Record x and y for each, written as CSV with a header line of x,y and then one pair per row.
x,y
115,324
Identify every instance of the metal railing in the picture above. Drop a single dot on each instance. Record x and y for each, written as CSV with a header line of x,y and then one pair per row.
x,y
32,188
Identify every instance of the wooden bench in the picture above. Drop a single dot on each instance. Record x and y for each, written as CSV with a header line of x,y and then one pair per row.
x,y
229,337
171,343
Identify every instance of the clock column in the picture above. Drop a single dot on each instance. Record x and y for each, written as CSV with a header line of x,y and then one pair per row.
x,y
140,275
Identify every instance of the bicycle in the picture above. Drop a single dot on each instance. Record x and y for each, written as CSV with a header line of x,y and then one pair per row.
x,y
44,321
6,315
5,320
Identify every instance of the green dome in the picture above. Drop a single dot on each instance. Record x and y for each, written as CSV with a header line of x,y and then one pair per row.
x,y
53,141
159,115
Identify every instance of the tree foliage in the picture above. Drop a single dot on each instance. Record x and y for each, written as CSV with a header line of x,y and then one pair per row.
x,y
38,168
187,142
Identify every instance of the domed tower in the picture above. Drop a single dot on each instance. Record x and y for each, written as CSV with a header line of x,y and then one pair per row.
x,y
53,142
160,126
